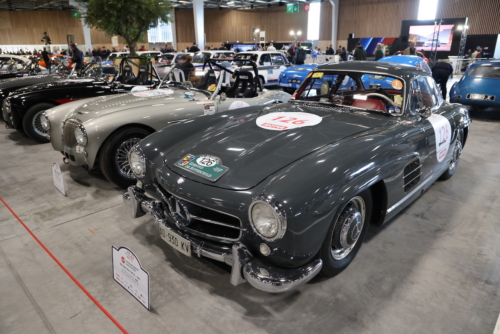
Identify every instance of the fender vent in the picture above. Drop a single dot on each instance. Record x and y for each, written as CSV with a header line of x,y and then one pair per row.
x,y
412,174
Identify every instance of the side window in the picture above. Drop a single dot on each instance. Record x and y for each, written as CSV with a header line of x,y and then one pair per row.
x,y
277,59
265,60
416,102
435,91
427,92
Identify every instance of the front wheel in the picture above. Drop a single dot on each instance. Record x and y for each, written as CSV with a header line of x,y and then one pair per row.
x,y
113,157
457,152
32,122
345,236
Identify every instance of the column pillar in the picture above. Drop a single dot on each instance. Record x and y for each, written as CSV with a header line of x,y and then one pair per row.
x,y
174,31
335,21
199,23
86,28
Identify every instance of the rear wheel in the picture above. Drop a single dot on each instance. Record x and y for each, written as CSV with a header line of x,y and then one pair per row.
x,y
289,90
113,157
32,122
261,80
457,152
345,236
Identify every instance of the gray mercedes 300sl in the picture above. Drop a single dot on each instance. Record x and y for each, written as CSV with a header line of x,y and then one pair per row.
x,y
285,192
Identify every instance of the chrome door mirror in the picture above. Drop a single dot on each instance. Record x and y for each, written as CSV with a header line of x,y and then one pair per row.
x,y
425,112
223,97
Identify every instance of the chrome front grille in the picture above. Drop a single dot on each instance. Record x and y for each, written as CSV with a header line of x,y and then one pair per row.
x,y
69,127
201,221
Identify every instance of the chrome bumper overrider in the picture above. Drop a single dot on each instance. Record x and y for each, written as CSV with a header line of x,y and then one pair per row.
x,y
245,267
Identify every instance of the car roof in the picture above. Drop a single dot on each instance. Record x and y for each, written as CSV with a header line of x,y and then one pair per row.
x,y
493,62
258,52
408,60
372,66
215,51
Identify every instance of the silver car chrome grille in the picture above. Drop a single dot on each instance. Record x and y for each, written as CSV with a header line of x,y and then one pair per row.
x,y
201,221
412,174
69,132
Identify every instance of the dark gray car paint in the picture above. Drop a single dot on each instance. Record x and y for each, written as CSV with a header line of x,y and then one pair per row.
x,y
312,176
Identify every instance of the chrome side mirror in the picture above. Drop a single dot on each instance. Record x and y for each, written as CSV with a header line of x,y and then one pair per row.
x,y
425,112
223,97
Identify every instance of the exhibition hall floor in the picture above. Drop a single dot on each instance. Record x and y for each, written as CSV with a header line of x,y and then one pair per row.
x,y
435,268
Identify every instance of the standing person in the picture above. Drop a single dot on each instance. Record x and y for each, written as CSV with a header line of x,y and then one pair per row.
x,y
314,55
480,53
359,52
343,54
330,51
222,47
76,57
379,52
410,51
271,47
46,59
441,72
291,53
300,56
194,48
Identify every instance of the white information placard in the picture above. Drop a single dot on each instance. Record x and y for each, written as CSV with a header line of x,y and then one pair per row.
x,y
128,272
58,179
281,121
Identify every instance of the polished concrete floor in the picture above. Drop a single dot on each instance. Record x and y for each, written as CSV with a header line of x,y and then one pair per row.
x,y
434,269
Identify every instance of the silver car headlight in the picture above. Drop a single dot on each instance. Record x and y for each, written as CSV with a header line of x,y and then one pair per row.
x,y
81,135
267,220
137,163
45,121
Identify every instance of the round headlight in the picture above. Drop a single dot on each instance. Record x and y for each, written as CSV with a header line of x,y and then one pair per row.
x,y
81,135
137,163
266,220
45,121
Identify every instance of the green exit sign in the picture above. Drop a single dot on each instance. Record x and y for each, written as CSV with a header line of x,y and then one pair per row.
x,y
292,8
75,14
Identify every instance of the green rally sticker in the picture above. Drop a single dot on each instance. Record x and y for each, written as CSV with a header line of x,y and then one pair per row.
x,y
206,166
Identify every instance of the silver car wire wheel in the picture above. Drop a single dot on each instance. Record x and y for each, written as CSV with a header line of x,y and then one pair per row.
x,y
36,122
351,222
121,158
457,152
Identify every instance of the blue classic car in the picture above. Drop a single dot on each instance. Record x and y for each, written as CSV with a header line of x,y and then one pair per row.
x,y
291,78
478,87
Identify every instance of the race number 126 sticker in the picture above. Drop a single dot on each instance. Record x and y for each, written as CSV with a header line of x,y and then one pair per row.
x,y
442,130
281,121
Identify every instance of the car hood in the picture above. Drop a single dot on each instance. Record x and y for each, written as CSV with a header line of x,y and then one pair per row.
x,y
26,81
114,103
252,154
55,85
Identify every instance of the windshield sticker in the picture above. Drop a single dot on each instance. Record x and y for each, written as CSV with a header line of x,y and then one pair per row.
x,y
187,95
206,166
398,100
155,92
238,105
281,121
442,130
318,75
212,87
397,84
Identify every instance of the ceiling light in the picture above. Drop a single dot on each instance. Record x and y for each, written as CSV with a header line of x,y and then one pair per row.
x,y
292,33
299,33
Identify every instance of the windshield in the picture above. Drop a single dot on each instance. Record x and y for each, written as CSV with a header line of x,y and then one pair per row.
x,y
201,57
243,59
487,72
382,93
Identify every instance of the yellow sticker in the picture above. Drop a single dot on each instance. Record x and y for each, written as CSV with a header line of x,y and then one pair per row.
x,y
318,75
397,84
212,87
398,100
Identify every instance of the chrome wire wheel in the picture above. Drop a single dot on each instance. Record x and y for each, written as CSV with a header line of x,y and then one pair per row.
x,y
348,228
121,158
457,152
36,122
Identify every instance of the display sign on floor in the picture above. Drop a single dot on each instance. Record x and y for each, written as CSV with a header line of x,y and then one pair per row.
x,y
58,179
128,272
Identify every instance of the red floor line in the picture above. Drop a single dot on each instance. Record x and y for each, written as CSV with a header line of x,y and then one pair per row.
x,y
66,270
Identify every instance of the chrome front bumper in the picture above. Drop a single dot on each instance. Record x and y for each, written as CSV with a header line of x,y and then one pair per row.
x,y
245,267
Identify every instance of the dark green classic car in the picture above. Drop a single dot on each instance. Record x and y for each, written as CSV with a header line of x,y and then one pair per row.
x,y
285,192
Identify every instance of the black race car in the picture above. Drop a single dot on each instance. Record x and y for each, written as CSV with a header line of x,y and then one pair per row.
x,y
22,108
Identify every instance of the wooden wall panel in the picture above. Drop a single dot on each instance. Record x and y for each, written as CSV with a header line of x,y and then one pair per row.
x,y
375,18
26,27
483,15
325,23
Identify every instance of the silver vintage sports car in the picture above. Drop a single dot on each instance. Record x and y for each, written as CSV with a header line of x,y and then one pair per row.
x,y
100,131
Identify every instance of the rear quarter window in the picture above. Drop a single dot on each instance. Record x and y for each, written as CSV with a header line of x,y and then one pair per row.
x,y
489,72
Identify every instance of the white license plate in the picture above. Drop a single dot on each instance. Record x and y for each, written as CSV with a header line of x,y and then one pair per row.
x,y
175,240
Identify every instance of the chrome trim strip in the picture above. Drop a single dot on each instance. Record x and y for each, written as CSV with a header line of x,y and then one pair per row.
x,y
214,222
409,195
418,167
416,177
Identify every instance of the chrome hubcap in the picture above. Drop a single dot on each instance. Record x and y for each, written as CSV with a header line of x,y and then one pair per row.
x,y
348,229
121,158
457,152
37,124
